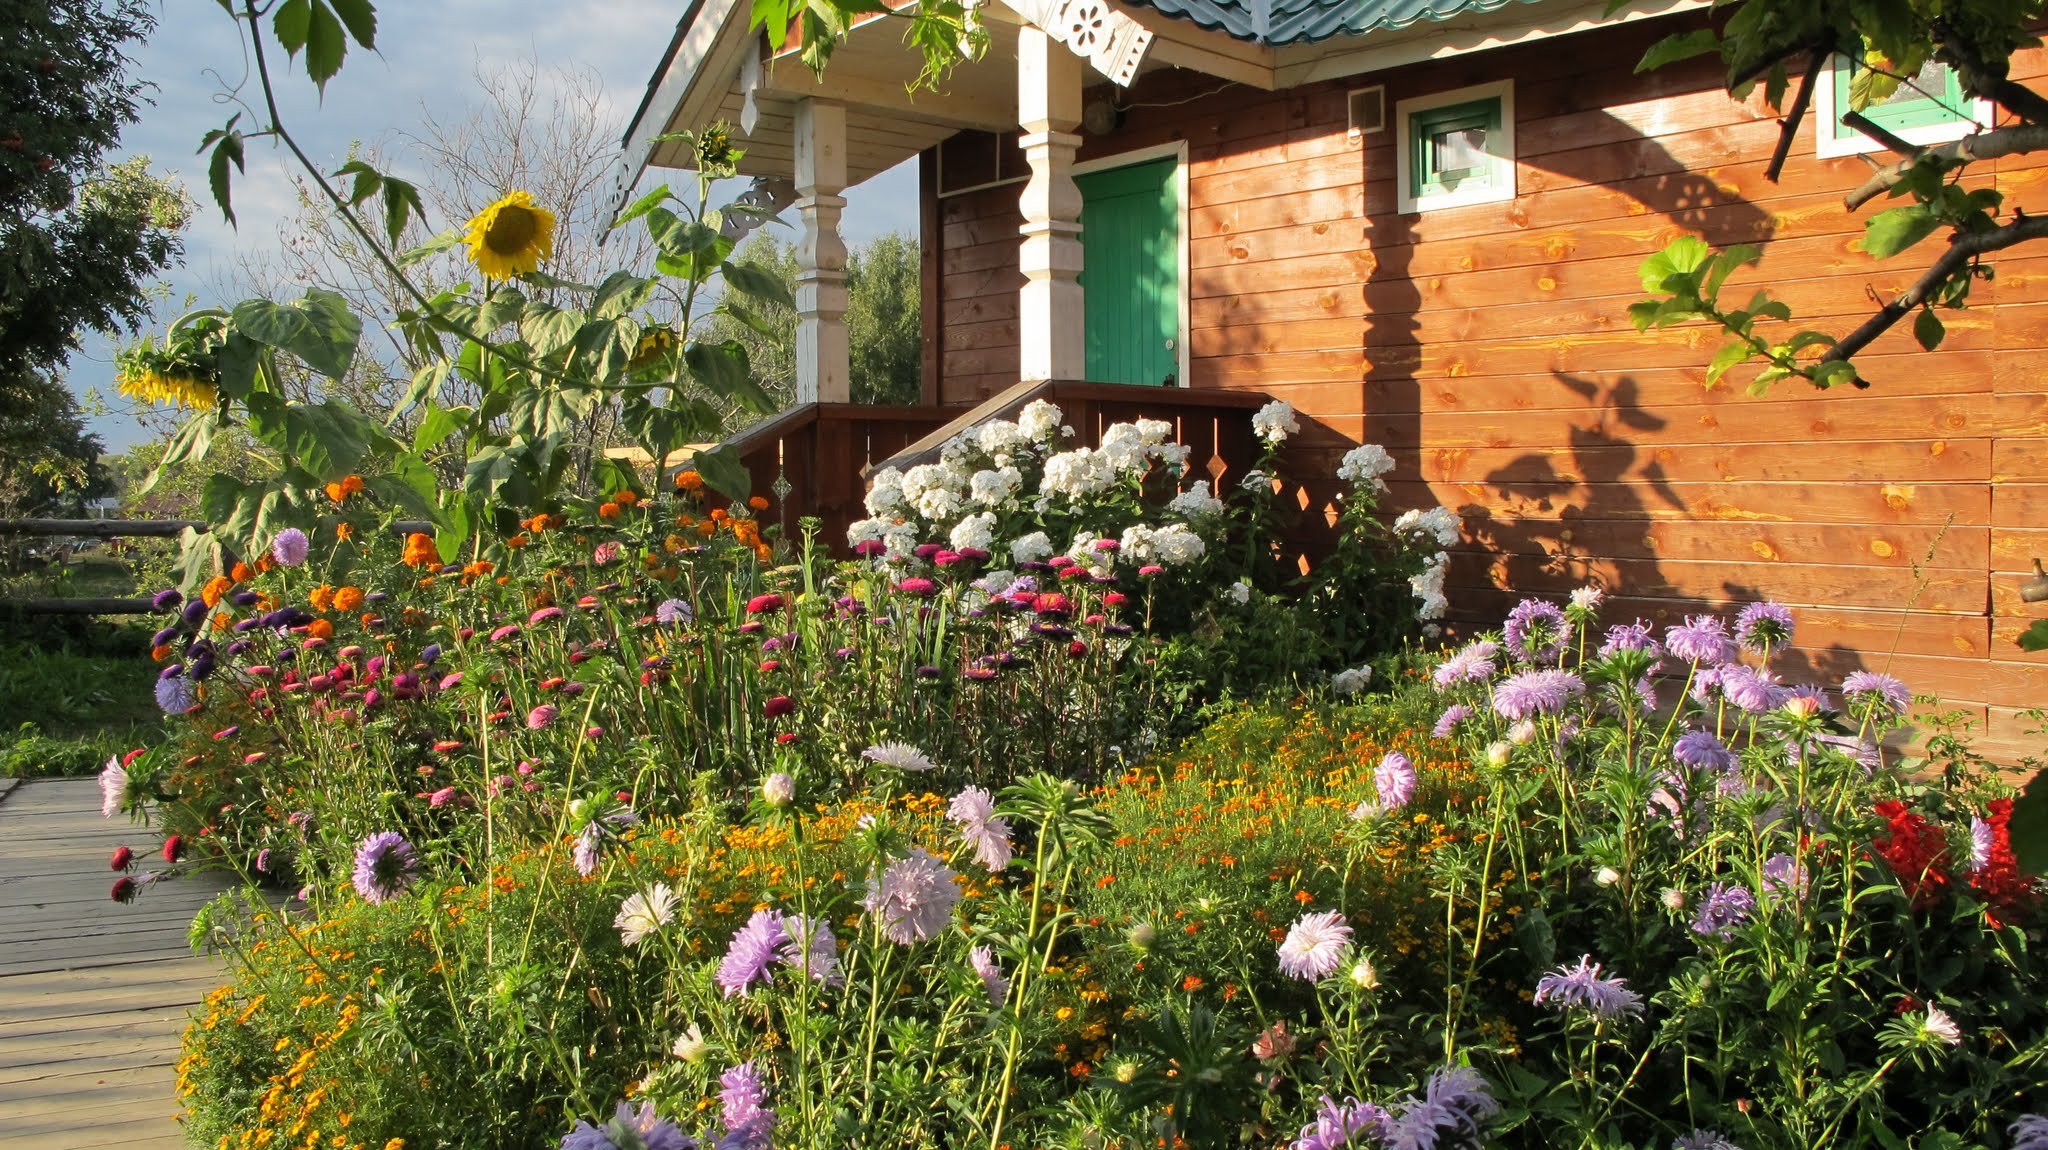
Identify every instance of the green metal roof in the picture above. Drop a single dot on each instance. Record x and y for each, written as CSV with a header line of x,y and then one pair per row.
x,y
1278,22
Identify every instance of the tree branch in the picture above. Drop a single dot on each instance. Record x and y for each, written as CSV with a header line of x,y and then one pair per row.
x,y
1992,81
2016,140
1788,128
1882,135
1965,249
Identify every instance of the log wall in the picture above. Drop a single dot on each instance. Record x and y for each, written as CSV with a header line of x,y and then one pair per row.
x,y
1488,347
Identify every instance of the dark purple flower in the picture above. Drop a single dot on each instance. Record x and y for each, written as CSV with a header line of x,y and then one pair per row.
x,y
166,599
195,612
1726,906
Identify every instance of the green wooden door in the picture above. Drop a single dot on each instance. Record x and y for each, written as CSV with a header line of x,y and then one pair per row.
x,y
1130,270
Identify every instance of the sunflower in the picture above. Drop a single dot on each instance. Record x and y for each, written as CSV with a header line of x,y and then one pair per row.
x,y
511,237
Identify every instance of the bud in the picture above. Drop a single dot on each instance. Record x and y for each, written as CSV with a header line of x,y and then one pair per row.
x,y
579,811
1802,706
1673,899
1363,976
1607,876
778,790
691,1047
1126,1071
1142,935
1522,732
1497,754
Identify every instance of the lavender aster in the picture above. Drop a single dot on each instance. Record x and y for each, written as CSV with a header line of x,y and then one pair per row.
x,y
1701,639
385,864
1783,876
1315,946
2029,1132
627,1130
1472,664
742,1095
1878,690
1765,628
1536,631
1447,723
1703,1140
674,613
1582,988
1751,689
755,948
1394,781
1455,1102
1337,1123
290,547
1634,636
1532,693
584,854
914,896
176,695
974,810
813,949
1725,906
1981,840
983,960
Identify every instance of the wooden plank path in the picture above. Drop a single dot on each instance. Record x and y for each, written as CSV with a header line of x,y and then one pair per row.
x,y
93,994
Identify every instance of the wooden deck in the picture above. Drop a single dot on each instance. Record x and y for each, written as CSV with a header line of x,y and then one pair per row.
x,y
93,995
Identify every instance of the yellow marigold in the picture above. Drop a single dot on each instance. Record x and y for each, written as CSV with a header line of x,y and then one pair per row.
x,y
511,237
420,551
689,481
348,600
215,590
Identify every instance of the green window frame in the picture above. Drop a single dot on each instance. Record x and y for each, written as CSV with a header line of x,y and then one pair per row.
x,y
1909,109
1430,170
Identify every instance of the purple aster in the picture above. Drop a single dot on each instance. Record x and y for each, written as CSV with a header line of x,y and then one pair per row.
x,y
1715,1140
1634,636
1765,628
1472,664
1315,946
290,547
813,948
1536,631
1532,693
974,809
1751,689
1702,750
627,1130
263,861
1706,685
756,1133
1582,988
741,1095
914,897
2029,1132
1454,1102
1981,840
1701,639
983,960
385,864
166,599
1337,1123
755,948
1394,781
1725,906
674,612
176,695
1877,689
1783,875
1447,722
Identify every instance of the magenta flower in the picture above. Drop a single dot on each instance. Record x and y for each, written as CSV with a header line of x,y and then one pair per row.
x,y
777,706
918,585
607,552
761,604
545,614
541,716
508,631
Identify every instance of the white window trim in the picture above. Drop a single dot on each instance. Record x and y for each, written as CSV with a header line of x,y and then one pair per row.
x,y
1178,152
1500,187
1826,117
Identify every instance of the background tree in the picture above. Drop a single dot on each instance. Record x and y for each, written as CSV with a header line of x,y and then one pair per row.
x,y
882,320
1784,45
80,240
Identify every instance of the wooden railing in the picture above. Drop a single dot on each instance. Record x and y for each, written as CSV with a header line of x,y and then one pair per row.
x,y
811,459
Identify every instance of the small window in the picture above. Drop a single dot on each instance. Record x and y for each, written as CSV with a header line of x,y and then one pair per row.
x,y
1456,148
1929,108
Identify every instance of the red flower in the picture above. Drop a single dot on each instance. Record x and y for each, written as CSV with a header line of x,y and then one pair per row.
x,y
124,889
122,857
1917,852
778,706
174,848
2010,893
761,603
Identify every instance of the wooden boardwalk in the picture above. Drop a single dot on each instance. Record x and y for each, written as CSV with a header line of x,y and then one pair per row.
x,y
93,995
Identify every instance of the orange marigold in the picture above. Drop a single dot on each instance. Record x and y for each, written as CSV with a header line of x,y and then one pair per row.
x,y
758,502
348,600
241,573
344,531
352,485
626,498
763,552
322,597
607,511
215,590
420,551
320,629
480,567
719,515
518,541
336,492
689,481
160,652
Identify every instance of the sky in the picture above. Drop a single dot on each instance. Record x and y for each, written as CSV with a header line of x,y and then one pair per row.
x,y
429,54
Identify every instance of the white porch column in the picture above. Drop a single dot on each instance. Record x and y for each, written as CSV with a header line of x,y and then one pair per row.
x,y
822,372
1049,312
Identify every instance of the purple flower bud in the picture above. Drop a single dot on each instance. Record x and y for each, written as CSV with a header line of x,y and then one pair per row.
x,y
166,599
195,612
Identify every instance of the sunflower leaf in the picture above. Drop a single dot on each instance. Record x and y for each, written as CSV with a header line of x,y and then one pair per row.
x,y
758,283
440,243
642,206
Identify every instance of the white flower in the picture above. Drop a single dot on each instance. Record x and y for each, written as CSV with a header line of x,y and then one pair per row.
x,y
1673,899
899,541
1522,732
1031,548
1585,598
994,488
778,790
645,912
1078,473
1142,935
902,756
934,489
865,531
1607,876
976,532
1196,502
1497,753
1123,448
1038,420
885,491
1256,480
1365,464
995,582
1428,586
1352,681
957,448
1173,455
1940,1027
1363,976
938,503
1001,439
113,786
1438,523
1239,592
1175,545
1275,422
691,1047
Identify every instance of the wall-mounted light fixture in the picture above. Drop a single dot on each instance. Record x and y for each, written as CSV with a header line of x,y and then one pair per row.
x,y
2035,590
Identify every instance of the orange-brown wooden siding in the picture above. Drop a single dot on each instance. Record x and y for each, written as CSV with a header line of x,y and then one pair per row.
x,y
1489,348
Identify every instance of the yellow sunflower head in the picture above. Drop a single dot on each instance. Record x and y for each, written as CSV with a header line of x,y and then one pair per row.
x,y
511,237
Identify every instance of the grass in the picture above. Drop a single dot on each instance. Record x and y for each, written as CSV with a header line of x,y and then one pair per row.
x,y
80,689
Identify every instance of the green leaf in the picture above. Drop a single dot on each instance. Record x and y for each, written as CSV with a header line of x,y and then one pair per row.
x,y
1730,354
326,44
401,205
367,181
190,442
723,370
548,329
438,424
621,292
500,308
327,439
2029,825
361,18
1677,46
455,522
642,206
318,328
721,468
1680,257
1892,231
227,149
440,243
1928,329
2035,637
759,283
290,24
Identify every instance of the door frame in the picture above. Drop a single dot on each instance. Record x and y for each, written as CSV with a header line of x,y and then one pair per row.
x,y
1178,152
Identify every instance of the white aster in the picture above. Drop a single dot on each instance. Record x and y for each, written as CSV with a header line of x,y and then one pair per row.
x,y
644,913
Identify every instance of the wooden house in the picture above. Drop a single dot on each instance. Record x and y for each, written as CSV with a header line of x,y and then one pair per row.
x,y
1421,221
